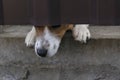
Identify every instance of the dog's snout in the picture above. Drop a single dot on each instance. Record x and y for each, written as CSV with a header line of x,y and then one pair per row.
x,y
42,52
46,44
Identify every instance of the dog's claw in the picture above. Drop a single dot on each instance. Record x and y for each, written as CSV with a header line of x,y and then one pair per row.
x,y
30,38
81,33
29,42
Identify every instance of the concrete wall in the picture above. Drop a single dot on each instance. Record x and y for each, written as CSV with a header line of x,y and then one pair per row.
x,y
99,59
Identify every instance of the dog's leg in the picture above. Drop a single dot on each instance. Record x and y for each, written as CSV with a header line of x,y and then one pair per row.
x,y
30,38
81,32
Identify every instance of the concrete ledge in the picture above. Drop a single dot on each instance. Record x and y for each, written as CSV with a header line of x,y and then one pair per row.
x,y
99,59
105,32
15,31
97,32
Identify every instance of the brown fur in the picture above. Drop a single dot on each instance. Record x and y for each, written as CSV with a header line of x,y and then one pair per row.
x,y
58,31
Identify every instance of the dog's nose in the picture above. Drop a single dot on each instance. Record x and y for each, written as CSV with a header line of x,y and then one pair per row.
x,y
42,52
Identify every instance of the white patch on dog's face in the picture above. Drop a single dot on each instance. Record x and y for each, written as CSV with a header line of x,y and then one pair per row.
x,y
48,41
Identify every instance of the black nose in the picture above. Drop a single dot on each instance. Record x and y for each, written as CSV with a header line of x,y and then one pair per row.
x,y
42,52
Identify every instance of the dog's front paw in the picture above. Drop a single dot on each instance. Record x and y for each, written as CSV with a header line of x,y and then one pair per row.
x,y
30,38
81,33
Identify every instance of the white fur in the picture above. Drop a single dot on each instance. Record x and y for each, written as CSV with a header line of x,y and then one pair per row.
x,y
30,38
81,32
49,41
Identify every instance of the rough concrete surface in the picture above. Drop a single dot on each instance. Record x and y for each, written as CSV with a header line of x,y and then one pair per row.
x,y
12,73
44,74
99,59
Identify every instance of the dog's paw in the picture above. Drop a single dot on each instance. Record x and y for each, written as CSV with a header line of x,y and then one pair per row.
x,y
30,38
81,33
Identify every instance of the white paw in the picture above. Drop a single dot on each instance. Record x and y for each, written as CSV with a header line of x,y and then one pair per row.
x,y
81,33
30,38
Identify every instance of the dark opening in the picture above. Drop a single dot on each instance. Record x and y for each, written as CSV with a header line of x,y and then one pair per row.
x,y
54,12
1,12
117,9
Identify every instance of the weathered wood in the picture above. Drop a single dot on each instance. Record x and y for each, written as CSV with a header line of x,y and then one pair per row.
x,y
1,12
52,12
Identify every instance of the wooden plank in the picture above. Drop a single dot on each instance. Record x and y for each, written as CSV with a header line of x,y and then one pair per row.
x,y
53,12
1,12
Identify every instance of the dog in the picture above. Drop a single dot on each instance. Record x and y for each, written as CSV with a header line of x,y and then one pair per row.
x,y
46,39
